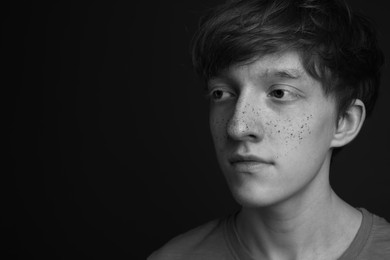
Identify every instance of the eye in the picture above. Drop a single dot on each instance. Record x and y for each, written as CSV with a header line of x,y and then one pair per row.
x,y
278,93
283,95
220,95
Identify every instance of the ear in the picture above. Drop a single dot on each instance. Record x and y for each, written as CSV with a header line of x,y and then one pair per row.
x,y
349,124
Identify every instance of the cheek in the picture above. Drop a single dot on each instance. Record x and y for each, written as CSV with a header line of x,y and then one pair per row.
x,y
218,123
288,134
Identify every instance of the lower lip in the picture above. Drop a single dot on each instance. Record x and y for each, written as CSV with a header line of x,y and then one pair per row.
x,y
249,166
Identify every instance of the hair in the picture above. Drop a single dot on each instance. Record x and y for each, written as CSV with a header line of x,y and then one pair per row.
x,y
338,47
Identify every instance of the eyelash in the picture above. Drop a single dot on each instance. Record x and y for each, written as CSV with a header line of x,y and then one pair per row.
x,y
210,95
285,92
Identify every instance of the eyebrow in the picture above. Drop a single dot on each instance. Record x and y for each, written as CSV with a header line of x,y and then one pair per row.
x,y
288,73
283,73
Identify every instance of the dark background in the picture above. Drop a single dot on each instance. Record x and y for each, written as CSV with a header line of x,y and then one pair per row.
x,y
109,148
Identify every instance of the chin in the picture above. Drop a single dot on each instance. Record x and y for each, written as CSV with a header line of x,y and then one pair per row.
x,y
252,196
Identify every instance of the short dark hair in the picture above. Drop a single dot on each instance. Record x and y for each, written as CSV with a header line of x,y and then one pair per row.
x,y
338,47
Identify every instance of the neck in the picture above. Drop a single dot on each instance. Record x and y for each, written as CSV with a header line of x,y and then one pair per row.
x,y
304,227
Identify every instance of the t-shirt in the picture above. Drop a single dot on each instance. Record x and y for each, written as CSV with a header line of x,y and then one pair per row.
x,y
218,240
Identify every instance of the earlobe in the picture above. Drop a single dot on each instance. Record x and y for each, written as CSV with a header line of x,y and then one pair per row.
x,y
349,124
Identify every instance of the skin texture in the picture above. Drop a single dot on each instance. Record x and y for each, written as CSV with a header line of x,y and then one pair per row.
x,y
274,130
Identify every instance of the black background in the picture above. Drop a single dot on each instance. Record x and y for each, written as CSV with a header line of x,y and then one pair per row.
x,y
109,144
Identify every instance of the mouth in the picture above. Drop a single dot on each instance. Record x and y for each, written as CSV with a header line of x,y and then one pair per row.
x,y
237,158
248,163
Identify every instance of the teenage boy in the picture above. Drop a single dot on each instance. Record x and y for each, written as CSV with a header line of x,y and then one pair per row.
x,y
290,82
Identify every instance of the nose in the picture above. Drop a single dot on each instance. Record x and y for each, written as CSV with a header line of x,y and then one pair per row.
x,y
245,122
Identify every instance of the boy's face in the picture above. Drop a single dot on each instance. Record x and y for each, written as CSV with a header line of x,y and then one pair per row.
x,y
272,128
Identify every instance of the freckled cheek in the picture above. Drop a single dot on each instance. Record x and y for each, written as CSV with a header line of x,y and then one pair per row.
x,y
288,134
218,124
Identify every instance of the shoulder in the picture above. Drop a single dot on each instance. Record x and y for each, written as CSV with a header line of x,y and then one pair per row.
x,y
380,233
381,228
204,242
378,244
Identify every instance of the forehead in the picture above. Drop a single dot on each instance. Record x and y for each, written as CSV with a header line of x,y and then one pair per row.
x,y
284,65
